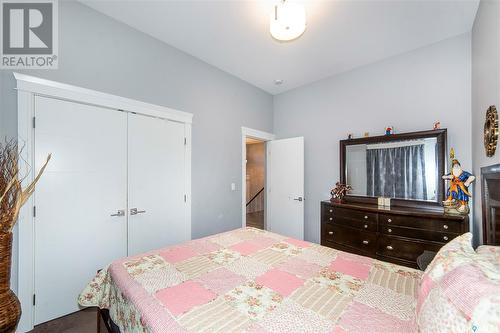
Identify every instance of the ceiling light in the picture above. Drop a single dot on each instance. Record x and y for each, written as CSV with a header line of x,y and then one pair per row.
x,y
278,82
287,21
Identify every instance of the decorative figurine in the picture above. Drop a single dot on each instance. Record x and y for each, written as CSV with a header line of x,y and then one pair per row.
x,y
437,125
367,134
458,195
389,130
339,191
349,136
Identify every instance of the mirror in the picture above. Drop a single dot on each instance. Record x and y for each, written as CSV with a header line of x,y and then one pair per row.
x,y
404,166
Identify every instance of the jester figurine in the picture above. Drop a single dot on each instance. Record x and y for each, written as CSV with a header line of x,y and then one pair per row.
x,y
458,193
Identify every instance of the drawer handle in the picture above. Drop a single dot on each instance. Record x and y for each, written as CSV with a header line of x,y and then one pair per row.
x,y
365,242
331,218
445,226
389,230
366,217
331,210
330,232
445,237
366,226
388,247
389,220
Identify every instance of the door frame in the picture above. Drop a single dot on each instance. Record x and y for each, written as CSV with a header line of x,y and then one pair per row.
x,y
27,88
247,132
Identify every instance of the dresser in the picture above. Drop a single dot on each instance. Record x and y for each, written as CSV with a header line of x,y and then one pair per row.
x,y
398,235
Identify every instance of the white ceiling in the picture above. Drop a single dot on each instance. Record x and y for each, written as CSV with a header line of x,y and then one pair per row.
x,y
340,35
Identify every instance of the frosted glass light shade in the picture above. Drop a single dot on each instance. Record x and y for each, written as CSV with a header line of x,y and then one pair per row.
x,y
287,21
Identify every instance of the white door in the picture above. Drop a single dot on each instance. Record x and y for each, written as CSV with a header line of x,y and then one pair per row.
x,y
285,185
156,169
84,184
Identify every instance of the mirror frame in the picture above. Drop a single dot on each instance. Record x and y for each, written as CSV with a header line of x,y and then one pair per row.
x,y
441,137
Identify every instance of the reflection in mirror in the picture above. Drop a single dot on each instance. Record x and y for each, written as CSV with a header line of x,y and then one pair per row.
x,y
397,169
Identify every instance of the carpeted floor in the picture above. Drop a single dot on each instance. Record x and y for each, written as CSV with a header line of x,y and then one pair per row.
x,y
84,321
256,219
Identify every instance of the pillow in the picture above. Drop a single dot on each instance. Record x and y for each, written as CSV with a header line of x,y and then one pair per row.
x,y
452,255
491,252
460,290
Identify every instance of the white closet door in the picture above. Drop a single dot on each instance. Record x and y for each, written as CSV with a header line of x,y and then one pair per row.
x,y
84,184
156,175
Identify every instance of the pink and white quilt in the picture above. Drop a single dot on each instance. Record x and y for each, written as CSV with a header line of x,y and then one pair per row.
x,y
250,280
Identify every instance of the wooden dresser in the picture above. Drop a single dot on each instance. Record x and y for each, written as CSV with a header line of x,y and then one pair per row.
x,y
397,235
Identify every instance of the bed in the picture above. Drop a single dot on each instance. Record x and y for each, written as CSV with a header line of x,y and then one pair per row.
x,y
254,281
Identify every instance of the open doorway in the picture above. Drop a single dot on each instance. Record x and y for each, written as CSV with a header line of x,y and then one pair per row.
x,y
255,182
254,194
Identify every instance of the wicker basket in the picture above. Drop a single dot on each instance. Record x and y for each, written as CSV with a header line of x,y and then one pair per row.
x,y
10,308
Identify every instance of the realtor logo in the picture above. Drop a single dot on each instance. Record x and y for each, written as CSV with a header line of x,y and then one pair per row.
x,y
29,34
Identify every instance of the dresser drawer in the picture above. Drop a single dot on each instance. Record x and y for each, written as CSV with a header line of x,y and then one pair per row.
x,y
364,241
354,214
442,225
358,224
392,230
326,211
351,218
395,247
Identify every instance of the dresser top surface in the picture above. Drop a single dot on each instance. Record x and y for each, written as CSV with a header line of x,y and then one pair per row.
x,y
423,212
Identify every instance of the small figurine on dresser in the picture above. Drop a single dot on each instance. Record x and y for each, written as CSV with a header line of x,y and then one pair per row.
x,y
339,191
458,195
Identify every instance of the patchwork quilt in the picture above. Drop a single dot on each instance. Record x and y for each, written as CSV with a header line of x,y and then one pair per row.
x,y
250,280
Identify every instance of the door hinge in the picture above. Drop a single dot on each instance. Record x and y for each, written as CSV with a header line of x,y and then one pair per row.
x,y
185,141
34,211
185,198
34,122
34,299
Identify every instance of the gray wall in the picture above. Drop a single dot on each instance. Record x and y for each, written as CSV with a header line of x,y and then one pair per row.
x,y
485,88
100,53
410,92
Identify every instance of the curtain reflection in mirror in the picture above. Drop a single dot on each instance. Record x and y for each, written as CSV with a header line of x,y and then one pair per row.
x,y
402,169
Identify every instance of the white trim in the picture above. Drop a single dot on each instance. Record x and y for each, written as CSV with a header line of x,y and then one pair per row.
x,y
254,134
26,236
40,86
27,88
187,181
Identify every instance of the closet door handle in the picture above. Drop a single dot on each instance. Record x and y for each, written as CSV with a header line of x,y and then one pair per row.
x,y
120,212
134,211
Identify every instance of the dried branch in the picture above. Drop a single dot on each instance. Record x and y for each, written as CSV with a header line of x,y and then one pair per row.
x,y
13,196
8,187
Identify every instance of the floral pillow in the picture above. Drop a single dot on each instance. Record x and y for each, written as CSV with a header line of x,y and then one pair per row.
x,y
460,290
491,252
458,251
450,256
